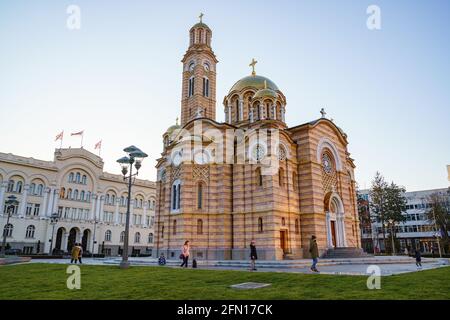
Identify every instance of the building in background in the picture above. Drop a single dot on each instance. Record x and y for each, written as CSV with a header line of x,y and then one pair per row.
x,y
415,232
90,203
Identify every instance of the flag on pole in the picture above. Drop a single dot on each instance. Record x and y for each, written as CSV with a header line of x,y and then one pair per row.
x,y
59,136
80,133
77,133
98,146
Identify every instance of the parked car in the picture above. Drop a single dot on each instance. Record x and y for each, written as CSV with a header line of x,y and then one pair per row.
x,y
13,252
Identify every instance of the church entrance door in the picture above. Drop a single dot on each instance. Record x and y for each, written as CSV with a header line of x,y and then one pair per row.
x,y
283,240
333,233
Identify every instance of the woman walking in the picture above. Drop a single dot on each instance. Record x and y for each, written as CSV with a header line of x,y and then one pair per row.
x,y
185,254
75,253
253,256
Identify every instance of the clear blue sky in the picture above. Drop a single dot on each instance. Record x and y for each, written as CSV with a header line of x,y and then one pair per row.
x,y
119,77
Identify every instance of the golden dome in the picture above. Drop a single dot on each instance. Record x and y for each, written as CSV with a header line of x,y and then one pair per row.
x,y
265,93
172,128
255,82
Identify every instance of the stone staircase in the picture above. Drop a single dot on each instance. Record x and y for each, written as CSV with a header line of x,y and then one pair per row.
x,y
347,252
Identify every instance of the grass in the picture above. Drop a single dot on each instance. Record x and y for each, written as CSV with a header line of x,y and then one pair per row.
x,y
48,281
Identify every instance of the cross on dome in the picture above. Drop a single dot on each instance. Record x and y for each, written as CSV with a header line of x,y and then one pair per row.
x,y
252,64
322,111
201,16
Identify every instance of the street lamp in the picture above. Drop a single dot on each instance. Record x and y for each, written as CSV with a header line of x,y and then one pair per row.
x,y
135,156
10,204
54,218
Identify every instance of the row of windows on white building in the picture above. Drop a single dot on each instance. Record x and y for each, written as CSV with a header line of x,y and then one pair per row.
x,y
31,230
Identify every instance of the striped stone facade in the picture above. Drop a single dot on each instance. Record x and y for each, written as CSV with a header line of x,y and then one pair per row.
x,y
221,185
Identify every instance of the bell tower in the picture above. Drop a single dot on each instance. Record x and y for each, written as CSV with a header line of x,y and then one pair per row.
x,y
199,75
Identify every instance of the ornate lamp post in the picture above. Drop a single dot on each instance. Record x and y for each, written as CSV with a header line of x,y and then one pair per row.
x,y
135,156
54,218
10,204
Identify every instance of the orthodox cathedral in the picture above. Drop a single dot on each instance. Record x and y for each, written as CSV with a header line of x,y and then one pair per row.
x,y
222,185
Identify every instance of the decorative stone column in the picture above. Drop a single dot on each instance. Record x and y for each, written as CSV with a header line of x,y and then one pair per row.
x,y
97,209
116,214
229,114
329,235
283,113
274,111
241,109
92,213
3,186
48,210
23,202
250,116
145,215
55,200
43,212
102,203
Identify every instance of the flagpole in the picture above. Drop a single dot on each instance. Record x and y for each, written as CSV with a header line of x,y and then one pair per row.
x,y
62,137
82,135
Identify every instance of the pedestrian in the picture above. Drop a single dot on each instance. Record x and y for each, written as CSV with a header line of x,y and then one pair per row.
x,y
253,256
74,253
80,254
418,259
185,254
432,252
314,253
162,260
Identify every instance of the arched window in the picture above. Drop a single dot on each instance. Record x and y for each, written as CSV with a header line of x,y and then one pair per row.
x,y
150,238
200,36
40,190
174,227
107,199
259,179
199,226
237,111
82,196
122,200
30,231
10,186
88,196
113,199
137,237
32,188
8,230
69,194
176,195
62,193
84,179
192,38
281,177
75,195
140,203
205,87
122,236
200,196
162,232
19,187
297,227
78,177
71,177
108,235
283,221
260,225
191,87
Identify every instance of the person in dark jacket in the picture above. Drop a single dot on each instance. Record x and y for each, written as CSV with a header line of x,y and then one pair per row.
x,y
418,259
253,256
314,250
162,260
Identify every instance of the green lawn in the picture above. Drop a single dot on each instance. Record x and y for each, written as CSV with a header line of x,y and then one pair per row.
x,y
48,281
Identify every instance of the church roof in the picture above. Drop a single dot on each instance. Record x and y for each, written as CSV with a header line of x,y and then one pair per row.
x,y
254,81
200,25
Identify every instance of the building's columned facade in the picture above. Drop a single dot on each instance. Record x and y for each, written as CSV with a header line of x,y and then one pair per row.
x,y
91,205
219,193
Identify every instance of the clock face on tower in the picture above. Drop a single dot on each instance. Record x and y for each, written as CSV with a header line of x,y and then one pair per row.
x,y
206,66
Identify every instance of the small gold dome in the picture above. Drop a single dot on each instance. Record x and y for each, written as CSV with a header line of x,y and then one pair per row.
x,y
255,82
265,93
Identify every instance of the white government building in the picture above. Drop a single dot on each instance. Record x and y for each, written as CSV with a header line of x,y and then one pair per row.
x,y
90,203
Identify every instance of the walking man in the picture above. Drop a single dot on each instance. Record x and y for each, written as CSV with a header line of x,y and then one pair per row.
x,y
253,256
314,253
